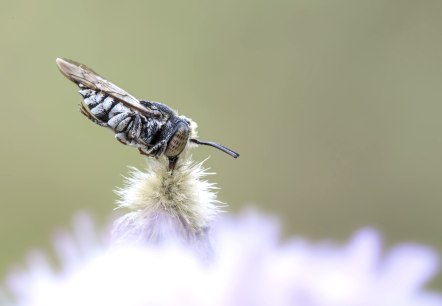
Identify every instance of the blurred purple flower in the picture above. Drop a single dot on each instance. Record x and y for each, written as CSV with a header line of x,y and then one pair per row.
x,y
250,266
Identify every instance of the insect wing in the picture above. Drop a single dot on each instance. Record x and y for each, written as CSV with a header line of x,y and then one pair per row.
x,y
81,74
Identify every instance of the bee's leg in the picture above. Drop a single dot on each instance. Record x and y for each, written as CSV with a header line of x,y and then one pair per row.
x,y
135,130
121,137
144,152
158,149
88,115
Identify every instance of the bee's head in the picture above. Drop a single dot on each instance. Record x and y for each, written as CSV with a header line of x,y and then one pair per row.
x,y
184,129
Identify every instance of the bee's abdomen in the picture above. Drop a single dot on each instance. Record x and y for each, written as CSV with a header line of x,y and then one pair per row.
x,y
130,127
102,106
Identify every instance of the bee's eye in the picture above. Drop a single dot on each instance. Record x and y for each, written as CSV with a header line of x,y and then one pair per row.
x,y
178,141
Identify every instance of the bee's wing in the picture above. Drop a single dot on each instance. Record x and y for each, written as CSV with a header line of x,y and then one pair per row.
x,y
81,74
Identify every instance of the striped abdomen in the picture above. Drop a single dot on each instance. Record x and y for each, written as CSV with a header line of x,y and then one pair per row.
x,y
130,126
101,106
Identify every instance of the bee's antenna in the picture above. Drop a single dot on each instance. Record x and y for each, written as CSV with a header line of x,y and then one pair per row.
x,y
218,146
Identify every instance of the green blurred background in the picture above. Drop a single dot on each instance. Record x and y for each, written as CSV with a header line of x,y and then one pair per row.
x,y
335,107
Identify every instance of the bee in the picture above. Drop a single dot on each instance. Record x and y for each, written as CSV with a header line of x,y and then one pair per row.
x,y
152,127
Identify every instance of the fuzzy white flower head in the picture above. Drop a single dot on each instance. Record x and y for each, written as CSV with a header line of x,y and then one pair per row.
x,y
160,203
250,266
